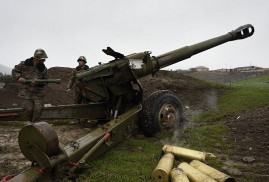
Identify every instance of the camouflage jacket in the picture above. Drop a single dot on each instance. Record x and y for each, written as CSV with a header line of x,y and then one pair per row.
x,y
74,73
27,70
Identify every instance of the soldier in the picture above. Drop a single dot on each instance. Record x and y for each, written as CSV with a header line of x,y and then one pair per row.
x,y
32,93
82,67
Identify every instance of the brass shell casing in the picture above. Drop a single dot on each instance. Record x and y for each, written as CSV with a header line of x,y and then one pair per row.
x,y
178,175
210,171
193,174
186,153
163,169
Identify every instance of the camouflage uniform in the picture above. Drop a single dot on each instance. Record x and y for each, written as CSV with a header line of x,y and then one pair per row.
x,y
78,97
33,95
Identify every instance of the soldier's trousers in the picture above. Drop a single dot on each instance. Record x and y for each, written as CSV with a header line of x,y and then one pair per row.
x,y
32,108
78,98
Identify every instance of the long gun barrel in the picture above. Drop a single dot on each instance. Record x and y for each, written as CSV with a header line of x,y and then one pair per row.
x,y
115,77
44,81
186,52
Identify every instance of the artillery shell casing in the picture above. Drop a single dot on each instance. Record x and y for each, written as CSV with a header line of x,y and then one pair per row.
x,y
210,171
164,167
193,174
178,175
185,153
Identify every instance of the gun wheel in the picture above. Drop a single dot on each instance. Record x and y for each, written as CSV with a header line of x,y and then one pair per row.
x,y
161,111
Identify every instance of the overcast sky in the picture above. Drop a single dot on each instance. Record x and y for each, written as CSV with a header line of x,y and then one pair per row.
x,y
67,29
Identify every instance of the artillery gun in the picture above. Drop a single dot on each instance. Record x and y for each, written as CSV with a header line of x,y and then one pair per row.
x,y
115,96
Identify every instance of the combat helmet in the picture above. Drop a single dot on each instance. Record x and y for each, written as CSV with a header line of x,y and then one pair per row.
x,y
82,58
40,54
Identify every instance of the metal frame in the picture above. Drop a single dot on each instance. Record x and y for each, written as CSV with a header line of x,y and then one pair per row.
x,y
119,129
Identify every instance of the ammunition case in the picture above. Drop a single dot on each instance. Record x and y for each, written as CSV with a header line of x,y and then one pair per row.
x,y
210,171
163,169
178,175
193,174
186,153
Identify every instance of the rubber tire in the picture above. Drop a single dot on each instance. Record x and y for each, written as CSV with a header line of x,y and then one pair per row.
x,y
149,119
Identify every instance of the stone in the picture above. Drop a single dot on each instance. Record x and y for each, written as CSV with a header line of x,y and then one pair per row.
x,y
248,159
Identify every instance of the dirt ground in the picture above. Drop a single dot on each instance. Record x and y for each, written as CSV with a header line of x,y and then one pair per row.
x,y
12,160
245,131
250,133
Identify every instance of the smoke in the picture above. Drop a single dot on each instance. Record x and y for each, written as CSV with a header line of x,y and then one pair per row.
x,y
209,100
178,134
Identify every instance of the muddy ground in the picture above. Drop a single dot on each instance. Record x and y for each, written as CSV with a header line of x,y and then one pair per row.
x,y
249,132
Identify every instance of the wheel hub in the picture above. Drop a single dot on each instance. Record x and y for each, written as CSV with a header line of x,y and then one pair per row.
x,y
168,116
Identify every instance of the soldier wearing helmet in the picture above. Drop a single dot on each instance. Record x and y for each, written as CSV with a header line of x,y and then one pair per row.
x,y
33,93
82,67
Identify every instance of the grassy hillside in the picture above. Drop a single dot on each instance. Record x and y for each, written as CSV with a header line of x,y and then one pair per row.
x,y
260,81
240,96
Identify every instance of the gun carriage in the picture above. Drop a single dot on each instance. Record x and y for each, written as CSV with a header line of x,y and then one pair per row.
x,y
115,96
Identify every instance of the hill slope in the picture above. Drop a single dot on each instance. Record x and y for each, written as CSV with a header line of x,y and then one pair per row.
x,y
5,70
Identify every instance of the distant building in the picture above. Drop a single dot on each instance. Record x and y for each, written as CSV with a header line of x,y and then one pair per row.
x,y
224,70
247,68
199,69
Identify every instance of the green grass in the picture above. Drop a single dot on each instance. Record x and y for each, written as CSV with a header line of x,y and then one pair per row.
x,y
196,83
132,160
242,96
135,159
259,81
13,123
207,138
237,100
